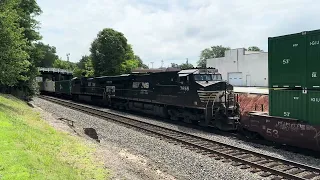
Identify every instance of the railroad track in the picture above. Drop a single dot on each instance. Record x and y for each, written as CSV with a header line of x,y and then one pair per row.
x,y
266,166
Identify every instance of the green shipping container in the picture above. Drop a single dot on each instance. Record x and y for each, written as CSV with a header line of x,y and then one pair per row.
x,y
313,107
288,104
295,104
313,60
294,60
287,61
63,87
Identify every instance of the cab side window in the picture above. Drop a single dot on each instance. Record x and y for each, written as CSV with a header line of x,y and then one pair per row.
x,y
184,80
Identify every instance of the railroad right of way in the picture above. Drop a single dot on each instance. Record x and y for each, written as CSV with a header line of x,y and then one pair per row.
x,y
267,166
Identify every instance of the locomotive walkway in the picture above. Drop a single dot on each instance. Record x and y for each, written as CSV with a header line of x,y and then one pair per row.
x,y
267,166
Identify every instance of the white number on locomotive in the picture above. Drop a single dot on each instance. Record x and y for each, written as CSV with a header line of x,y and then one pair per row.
x,y
184,88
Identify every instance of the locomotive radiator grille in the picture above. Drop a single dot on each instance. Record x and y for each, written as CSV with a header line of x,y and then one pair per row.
x,y
206,96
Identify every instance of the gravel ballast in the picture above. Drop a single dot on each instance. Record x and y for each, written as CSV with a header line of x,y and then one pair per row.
x,y
172,159
228,140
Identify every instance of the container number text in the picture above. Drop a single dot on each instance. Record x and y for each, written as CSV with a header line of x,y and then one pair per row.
x,y
313,43
315,100
314,74
295,45
286,61
273,133
286,114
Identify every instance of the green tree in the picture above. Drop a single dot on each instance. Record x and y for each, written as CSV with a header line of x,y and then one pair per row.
x,y
78,72
129,53
13,57
64,65
108,52
254,48
84,66
27,11
84,59
174,65
89,68
128,65
212,52
185,66
141,64
44,55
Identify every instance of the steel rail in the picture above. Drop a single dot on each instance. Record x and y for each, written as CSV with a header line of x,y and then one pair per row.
x,y
207,146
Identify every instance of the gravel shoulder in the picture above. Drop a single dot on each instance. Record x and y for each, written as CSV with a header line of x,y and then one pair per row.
x,y
122,163
130,154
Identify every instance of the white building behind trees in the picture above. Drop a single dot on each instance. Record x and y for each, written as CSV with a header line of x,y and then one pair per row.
x,y
242,68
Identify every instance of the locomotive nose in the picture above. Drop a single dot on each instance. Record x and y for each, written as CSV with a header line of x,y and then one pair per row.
x,y
214,86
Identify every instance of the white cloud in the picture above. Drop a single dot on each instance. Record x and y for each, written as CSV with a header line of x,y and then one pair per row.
x,y
173,30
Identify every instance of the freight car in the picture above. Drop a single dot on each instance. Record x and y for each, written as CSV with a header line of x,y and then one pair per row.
x,y
294,92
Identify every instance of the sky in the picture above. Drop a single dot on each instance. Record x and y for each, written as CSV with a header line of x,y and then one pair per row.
x,y
173,30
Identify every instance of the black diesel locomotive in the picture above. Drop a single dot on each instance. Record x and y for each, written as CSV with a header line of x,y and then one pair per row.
x,y
196,96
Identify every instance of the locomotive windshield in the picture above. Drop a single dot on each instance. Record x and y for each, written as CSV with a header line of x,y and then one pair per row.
x,y
207,77
217,77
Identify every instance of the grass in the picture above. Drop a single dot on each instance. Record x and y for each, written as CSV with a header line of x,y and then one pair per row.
x,y
32,149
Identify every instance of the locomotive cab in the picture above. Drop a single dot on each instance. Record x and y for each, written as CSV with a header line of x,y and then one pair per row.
x,y
214,95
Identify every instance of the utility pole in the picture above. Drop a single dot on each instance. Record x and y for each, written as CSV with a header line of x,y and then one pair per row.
x,y
152,64
161,63
68,54
187,61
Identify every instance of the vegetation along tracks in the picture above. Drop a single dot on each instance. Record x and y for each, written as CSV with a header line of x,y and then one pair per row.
x,y
268,166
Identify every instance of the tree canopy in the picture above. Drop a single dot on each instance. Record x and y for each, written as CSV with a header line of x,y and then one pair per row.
x,y
18,33
27,10
212,52
84,67
185,66
13,57
140,64
44,55
108,52
112,55
254,48
62,64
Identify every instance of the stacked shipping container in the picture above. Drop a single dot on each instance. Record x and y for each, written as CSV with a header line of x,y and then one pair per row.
x,y
294,76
